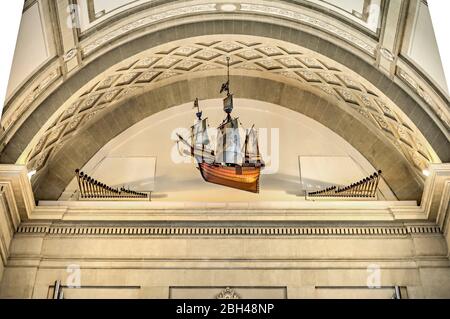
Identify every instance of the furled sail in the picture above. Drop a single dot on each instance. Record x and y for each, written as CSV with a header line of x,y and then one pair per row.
x,y
251,147
200,139
200,133
228,148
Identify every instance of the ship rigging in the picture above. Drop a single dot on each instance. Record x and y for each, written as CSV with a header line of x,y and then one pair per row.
x,y
227,164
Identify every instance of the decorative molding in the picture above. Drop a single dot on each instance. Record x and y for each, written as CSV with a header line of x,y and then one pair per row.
x,y
287,219
9,218
311,21
293,14
387,54
69,55
226,231
443,215
429,97
16,177
228,293
23,103
413,152
154,18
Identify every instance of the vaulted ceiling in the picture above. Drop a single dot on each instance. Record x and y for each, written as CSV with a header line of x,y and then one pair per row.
x,y
281,52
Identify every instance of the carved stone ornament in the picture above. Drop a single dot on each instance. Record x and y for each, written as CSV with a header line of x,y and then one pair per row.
x,y
228,293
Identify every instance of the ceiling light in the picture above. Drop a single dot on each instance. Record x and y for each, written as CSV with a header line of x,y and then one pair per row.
x,y
426,172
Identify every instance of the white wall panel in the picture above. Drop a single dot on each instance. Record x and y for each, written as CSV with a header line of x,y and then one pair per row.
x,y
31,48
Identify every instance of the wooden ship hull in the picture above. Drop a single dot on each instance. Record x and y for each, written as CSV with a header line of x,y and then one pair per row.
x,y
245,178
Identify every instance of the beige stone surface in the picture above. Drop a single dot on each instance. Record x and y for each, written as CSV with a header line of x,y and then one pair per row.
x,y
329,250
307,266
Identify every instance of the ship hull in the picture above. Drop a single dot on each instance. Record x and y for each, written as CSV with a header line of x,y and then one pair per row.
x,y
244,178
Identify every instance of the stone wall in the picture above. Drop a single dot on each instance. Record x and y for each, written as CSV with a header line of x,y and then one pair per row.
x,y
166,263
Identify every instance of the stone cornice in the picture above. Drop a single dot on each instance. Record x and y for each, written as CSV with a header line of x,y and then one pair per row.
x,y
433,208
257,230
16,176
9,215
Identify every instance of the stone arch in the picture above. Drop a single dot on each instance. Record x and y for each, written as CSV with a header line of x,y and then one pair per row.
x,y
51,106
112,121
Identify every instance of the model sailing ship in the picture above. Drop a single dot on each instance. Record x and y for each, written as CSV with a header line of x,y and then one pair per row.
x,y
229,164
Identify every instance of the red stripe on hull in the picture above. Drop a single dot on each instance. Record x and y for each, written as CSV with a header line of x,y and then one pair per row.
x,y
227,176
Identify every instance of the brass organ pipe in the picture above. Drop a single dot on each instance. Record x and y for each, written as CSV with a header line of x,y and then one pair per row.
x,y
78,179
366,185
355,189
89,185
376,183
372,184
349,190
95,189
363,186
369,183
92,183
88,188
360,188
92,188
85,187
100,189
82,184
82,191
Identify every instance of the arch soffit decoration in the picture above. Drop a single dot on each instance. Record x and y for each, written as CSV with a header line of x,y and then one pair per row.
x,y
252,56
296,23
69,130
112,121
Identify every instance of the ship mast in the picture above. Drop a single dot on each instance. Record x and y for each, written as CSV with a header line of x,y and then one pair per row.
x,y
199,113
228,101
226,85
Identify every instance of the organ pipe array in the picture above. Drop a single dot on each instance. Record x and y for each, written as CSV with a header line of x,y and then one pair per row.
x,y
365,188
92,189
